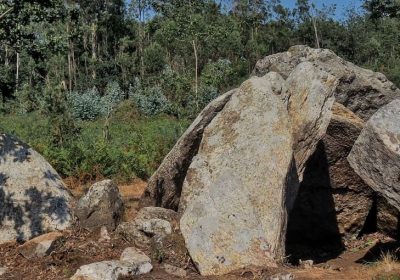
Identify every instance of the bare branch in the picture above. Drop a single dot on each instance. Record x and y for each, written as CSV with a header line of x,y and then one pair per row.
x,y
5,13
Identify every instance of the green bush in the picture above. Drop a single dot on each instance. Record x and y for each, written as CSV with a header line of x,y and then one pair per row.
x,y
86,105
135,148
154,58
150,101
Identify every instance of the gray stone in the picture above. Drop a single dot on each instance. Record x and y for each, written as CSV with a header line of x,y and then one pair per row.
x,y
101,206
40,246
33,198
164,187
362,91
154,226
3,270
130,232
375,156
234,195
104,235
148,213
282,276
310,97
138,258
109,270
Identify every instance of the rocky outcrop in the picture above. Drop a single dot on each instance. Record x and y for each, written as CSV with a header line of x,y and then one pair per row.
x,y
165,186
333,201
234,195
33,198
101,206
362,91
375,156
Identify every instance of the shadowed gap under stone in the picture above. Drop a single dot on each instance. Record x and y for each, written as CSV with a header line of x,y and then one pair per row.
x,y
313,231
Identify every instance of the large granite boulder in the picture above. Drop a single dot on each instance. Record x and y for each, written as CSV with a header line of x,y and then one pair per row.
x,y
165,186
375,156
333,201
33,198
101,206
234,195
362,91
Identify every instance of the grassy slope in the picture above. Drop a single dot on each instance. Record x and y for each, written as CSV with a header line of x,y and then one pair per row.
x,y
135,149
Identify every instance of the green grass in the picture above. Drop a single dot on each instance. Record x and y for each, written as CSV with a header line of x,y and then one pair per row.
x,y
135,148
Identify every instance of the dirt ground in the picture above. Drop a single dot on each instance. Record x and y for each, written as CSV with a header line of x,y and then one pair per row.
x,y
372,257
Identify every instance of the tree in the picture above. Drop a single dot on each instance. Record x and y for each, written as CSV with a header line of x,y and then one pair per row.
x,y
382,8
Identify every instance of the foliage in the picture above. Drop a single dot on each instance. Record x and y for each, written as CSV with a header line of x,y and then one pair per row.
x,y
135,149
86,105
150,101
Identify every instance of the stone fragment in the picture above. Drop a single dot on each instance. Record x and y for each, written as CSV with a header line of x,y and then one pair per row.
x,y
40,246
101,206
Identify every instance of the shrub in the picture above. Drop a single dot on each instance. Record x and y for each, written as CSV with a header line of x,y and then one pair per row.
x,y
150,101
89,105
217,74
86,105
154,58
114,95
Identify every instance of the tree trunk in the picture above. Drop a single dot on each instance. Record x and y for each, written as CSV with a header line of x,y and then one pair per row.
x,y
196,85
5,13
6,62
314,21
17,74
94,54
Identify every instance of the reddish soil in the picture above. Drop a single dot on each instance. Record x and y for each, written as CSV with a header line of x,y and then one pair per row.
x,y
361,260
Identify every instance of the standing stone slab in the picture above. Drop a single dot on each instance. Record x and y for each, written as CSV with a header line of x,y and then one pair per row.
x,y
33,198
165,186
362,91
101,206
310,97
376,154
234,195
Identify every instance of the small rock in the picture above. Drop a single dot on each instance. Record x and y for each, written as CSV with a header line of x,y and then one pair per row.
x,y
107,270
104,236
131,233
101,206
40,246
280,276
3,270
154,226
176,271
139,259
147,213
306,264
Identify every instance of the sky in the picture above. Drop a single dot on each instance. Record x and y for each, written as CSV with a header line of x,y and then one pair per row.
x,y
341,5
